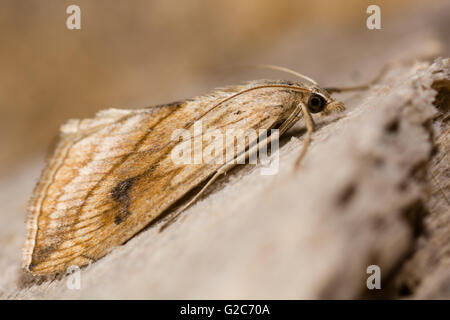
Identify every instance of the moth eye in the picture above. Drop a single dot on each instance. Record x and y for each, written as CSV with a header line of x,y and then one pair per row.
x,y
316,103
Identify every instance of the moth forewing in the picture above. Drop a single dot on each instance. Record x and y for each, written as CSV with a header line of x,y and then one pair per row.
x,y
113,175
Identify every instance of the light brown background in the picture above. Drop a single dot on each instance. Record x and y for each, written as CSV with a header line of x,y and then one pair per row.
x,y
138,53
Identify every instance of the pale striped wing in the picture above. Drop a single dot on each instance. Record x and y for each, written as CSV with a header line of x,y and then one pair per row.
x,y
112,175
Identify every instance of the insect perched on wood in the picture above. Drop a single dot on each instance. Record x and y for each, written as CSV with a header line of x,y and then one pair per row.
x,y
110,176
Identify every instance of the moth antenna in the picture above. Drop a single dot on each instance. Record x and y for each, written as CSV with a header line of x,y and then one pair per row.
x,y
294,88
251,89
283,69
310,126
365,86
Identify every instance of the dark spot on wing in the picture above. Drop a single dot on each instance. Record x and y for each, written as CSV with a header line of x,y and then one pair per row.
x,y
41,253
121,216
120,194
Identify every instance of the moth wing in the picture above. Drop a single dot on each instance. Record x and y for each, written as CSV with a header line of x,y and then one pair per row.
x,y
74,207
112,175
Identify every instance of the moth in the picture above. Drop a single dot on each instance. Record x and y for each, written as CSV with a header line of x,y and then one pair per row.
x,y
111,176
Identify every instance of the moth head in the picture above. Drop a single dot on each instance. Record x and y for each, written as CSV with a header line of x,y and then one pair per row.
x,y
319,101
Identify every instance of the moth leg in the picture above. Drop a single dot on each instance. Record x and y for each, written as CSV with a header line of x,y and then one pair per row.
x,y
226,167
292,118
223,169
309,131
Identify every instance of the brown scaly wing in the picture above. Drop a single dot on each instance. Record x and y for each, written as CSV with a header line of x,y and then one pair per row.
x,y
112,175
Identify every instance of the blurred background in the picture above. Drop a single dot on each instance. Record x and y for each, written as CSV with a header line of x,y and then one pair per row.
x,y
136,53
